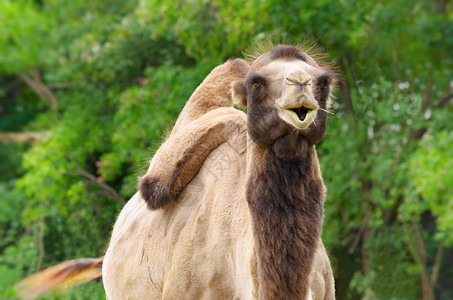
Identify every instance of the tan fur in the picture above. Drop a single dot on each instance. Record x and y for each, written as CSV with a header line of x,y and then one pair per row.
x,y
199,239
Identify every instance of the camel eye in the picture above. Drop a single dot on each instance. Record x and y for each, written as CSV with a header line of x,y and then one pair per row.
x,y
256,85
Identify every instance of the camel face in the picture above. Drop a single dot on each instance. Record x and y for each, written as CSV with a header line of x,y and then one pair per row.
x,y
286,93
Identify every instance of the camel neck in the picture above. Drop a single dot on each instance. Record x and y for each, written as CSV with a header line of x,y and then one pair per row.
x,y
286,204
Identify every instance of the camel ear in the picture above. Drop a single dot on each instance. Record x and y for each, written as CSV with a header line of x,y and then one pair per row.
x,y
238,93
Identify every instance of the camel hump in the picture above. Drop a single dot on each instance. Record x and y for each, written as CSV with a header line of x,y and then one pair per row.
x,y
182,155
214,92
61,277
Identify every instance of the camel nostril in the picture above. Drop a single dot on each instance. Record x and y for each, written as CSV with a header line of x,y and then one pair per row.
x,y
298,78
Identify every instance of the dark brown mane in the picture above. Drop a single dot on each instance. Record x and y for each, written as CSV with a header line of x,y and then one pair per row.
x,y
287,220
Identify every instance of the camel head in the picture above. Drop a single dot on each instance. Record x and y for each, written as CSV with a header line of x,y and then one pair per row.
x,y
286,94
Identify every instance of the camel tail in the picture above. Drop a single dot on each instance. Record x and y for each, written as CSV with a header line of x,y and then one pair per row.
x,y
60,277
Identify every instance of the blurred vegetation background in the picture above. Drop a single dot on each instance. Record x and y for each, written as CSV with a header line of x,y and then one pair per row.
x,y
88,87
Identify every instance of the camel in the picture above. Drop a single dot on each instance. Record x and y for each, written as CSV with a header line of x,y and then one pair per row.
x,y
231,206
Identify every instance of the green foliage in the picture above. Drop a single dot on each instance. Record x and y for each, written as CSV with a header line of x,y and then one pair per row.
x,y
20,40
121,72
90,290
388,264
15,259
431,167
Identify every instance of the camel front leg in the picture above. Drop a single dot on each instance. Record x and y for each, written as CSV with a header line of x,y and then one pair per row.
x,y
180,158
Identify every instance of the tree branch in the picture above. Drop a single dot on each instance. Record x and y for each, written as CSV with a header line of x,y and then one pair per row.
x,y
354,79
436,266
418,134
420,260
413,247
448,96
345,91
420,244
445,100
360,233
428,92
41,248
17,137
33,80
107,188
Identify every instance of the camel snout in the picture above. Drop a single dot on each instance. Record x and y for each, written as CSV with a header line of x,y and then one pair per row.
x,y
299,78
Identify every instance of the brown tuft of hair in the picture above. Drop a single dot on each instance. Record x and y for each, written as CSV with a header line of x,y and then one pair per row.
x,y
60,277
309,47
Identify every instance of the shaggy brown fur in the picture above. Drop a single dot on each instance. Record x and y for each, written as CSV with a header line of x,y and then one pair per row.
x,y
287,221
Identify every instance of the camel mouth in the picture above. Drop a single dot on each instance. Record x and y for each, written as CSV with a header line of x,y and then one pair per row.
x,y
299,117
301,112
